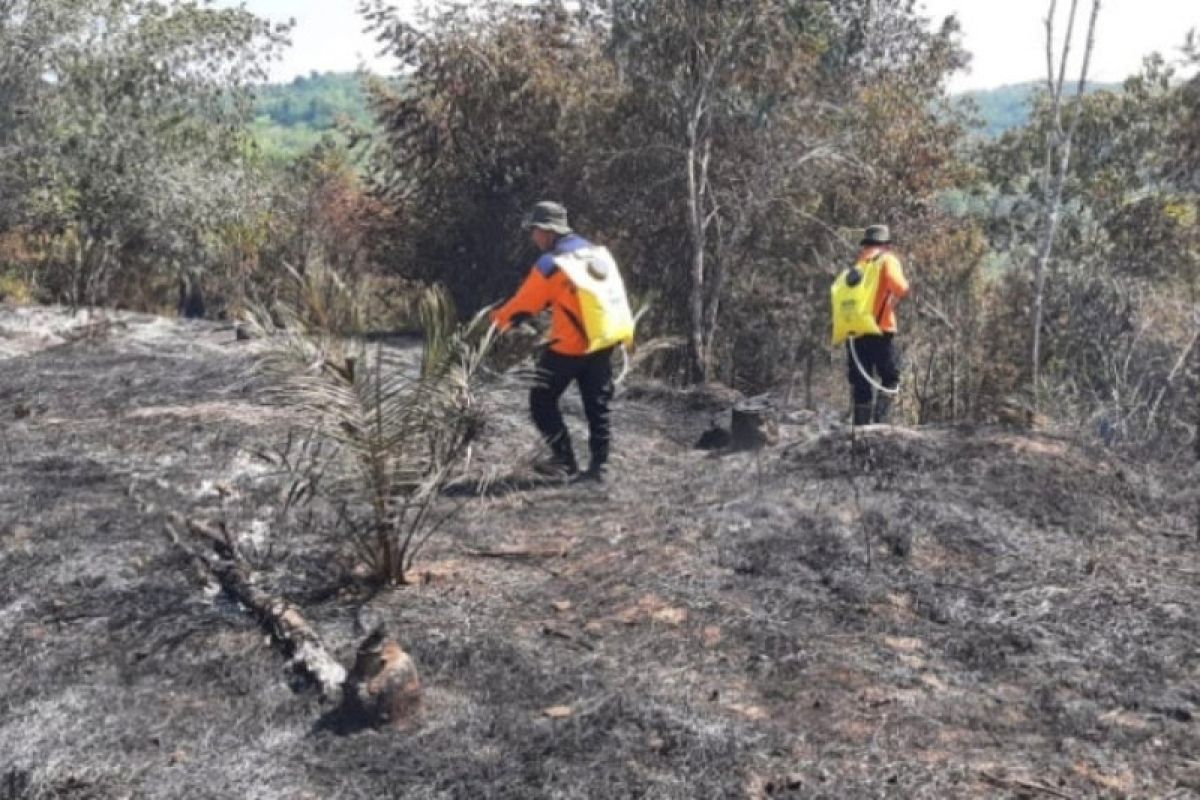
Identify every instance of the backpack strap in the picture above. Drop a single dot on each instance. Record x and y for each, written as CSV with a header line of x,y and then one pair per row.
x,y
576,322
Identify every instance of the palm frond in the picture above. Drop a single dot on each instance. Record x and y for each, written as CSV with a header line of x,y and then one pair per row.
x,y
404,428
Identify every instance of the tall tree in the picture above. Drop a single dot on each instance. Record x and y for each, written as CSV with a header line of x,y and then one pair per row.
x,y
1058,159
713,98
717,147
129,128
1122,306
488,116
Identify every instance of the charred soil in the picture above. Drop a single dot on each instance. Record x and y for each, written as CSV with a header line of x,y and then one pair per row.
x,y
934,612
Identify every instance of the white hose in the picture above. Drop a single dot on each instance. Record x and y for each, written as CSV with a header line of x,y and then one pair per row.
x,y
863,371
626,363
624,366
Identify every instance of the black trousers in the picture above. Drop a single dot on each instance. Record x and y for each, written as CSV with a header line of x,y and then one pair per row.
x,y
879,359
593,373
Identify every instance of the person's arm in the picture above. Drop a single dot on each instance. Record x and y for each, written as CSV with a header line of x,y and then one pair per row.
x,y
894,282
893,286
532,298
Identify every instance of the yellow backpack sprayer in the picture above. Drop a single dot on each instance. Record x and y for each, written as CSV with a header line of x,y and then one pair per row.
x,y
603,302
606,319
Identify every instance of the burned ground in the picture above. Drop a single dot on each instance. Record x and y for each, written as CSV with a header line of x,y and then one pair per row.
x,y
938,612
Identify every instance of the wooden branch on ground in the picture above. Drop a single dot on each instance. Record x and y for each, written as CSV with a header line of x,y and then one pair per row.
x,y
216,538
555,551
284,621
1027,785
557,632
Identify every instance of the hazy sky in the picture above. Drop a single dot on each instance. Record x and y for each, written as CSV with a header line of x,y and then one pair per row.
x,y
1006,37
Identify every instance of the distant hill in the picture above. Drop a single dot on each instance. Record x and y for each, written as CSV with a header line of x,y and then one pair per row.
x,y
292,117
1008,107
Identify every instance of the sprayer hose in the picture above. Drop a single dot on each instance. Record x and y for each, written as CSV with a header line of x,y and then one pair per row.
x,y
863,371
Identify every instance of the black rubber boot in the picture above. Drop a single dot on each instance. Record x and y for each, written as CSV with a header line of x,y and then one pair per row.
x,y
564,454
883,407
862,413
597,475
561,463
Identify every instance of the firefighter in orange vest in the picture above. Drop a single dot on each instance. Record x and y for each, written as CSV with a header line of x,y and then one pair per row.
x,y
876,354
566,359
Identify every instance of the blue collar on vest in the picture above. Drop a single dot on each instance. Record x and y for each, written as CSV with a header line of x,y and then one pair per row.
x,y
567,244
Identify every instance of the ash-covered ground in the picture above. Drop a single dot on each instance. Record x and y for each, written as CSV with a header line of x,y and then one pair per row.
x,y
914,613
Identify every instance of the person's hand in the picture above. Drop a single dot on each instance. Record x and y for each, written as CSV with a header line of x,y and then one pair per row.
x,y
524,322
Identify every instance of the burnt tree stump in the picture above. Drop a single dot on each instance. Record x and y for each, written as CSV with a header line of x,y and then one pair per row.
x,y
754,425
383,689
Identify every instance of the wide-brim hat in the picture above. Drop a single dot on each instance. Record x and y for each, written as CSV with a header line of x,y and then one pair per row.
x,y
549,216
877,234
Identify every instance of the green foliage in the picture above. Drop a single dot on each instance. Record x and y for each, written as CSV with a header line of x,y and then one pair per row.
x,y
279,145
296,218
126,133
316,101
1122,171
14,290
728,153
714,147
491,116
292,118
1118,327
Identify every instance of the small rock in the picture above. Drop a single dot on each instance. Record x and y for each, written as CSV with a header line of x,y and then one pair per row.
x,y
671,616
629,616
751,712
19,534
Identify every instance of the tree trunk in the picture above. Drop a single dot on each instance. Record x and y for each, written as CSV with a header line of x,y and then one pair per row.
x,y
698,350
1058,143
